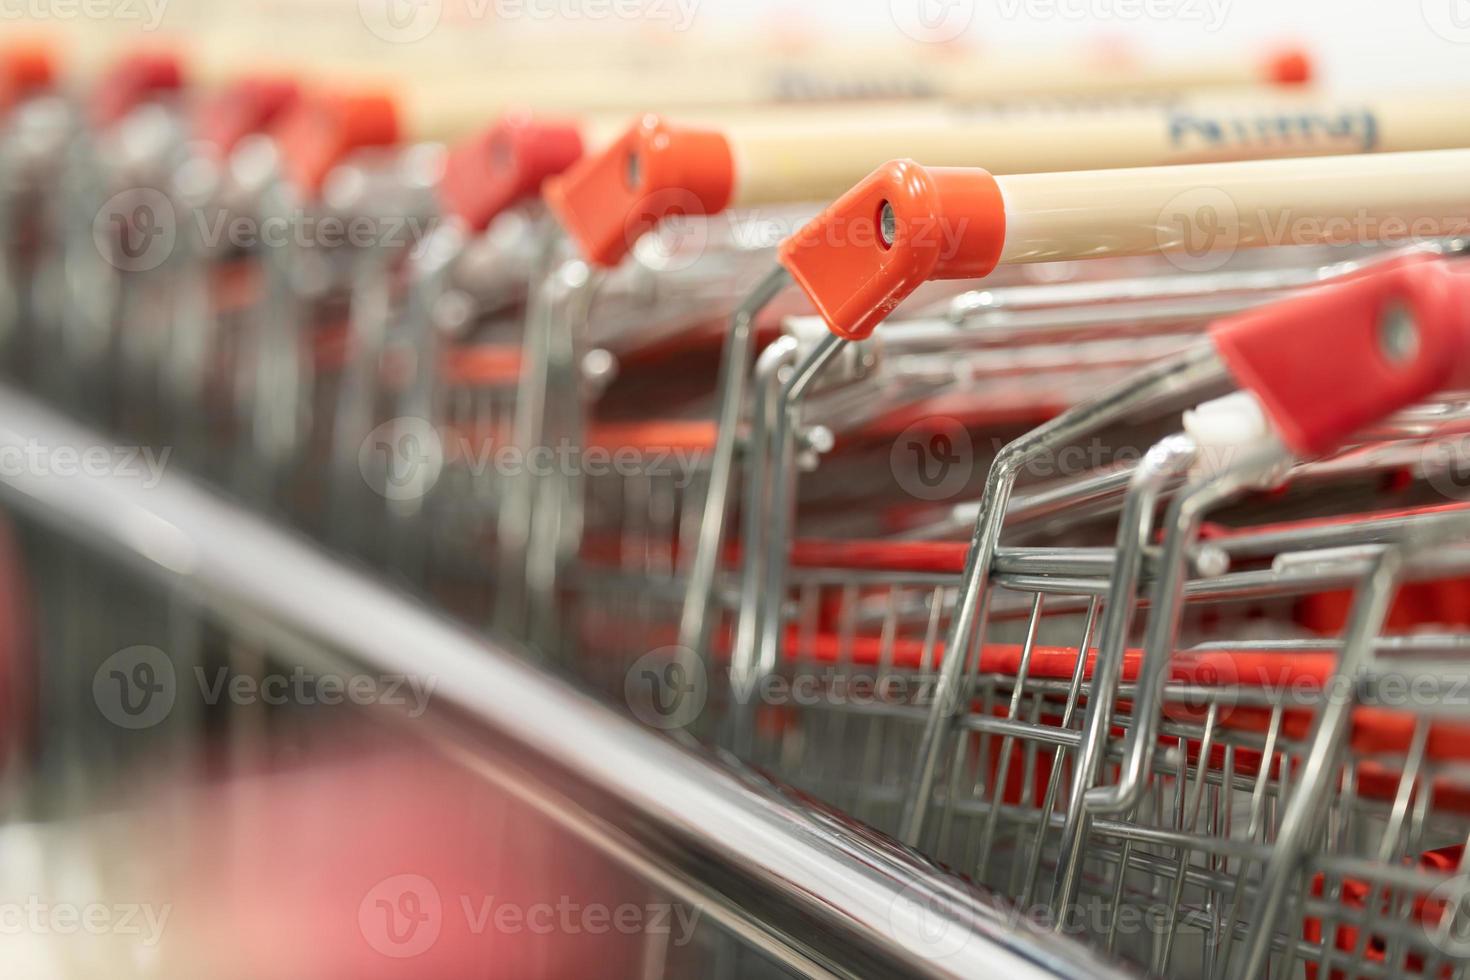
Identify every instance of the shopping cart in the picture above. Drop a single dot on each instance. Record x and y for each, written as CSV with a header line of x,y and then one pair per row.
x,y
1176,737
218,269
114,148
26,75
325,398
659,170
1004,728
883,239
219,318
854,226
126,303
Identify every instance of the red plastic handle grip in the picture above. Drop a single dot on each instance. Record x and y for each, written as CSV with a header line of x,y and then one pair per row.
x,y
1292,66
246,106
654,171
319,131
25,69
901,227
1334,360
506,164
137,78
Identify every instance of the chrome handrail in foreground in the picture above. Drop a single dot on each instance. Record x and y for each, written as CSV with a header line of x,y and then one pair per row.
x,y
815,891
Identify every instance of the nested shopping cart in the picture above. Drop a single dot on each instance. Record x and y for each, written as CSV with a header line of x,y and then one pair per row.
x,y
26,75
867,254
102,153
659,171
1154,230
154,304
325,361
1182,738
1176,825
282,350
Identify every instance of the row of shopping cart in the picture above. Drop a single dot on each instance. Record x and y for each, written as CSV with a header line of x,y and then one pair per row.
x,y
1093,523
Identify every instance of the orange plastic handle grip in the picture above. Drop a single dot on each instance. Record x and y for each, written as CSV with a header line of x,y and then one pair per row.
x,y
1329,362
133,80
654,171
506,164
322,129
25,69
248,105
901,227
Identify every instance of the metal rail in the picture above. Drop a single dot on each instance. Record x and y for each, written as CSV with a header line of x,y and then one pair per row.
x,y
818,893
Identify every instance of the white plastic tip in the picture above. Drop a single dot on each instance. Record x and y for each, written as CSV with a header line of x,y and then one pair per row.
x,y
1234,420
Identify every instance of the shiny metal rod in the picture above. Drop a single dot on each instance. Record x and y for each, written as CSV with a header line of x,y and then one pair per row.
x,y
812,889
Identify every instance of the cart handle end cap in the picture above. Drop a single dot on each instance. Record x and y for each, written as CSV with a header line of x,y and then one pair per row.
x,y
654,171
133,80
1292,66
901,227
245,106
505,165
25,69
1341,357
319,131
